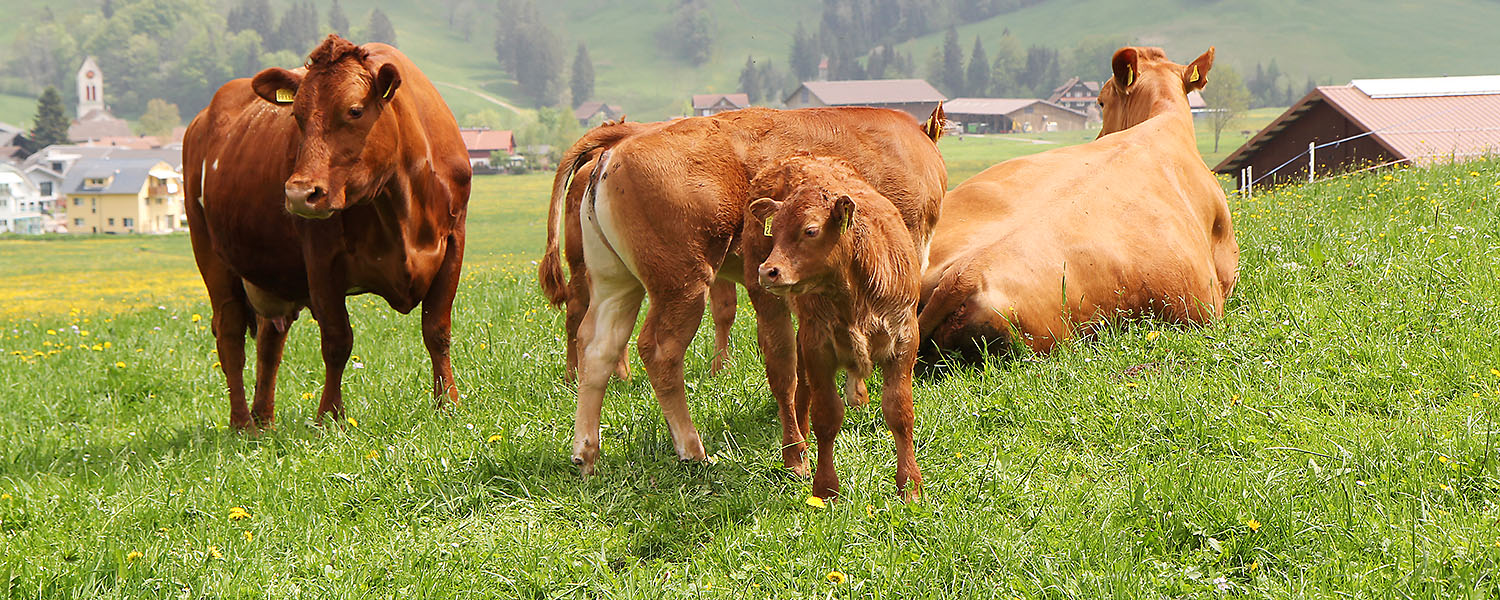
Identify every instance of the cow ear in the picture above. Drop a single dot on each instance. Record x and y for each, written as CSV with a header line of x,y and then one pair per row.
x,y
1196,74
1126,67
387,79
843,213
762,210
276,85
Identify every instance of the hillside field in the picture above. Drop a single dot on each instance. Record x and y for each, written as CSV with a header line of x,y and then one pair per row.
x,y
1331,437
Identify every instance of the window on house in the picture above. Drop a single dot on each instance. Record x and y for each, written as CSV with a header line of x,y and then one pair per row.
x,y
111,221
46,188
78,222
57,166
78,202
128,222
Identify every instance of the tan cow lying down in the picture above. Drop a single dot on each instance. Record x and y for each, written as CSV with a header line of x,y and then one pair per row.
x,y
1039,249
569,183
840,251
664,219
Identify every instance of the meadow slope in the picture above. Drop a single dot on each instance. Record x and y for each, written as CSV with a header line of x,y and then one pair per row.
x,y
1332,437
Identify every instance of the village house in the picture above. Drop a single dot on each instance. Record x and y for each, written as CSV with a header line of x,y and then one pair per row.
x,y
20,202
915,96
1012,115
1083,96
705,105
593,112
483,143
1374,122
123,196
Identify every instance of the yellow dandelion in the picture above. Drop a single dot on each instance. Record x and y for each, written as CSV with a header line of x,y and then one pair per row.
x,y
120,364
869,511
1254,564
1445,487
238,513
353,422
108,345
1131,384
374,454
133,555
308,396
51,332
1253,524
1495,372
816,502
1442,459
493,438
836,577
1152,335
197,317
248,536
4,496
213,552
97,347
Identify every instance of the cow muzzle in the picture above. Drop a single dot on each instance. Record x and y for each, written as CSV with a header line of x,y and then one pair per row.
x,y
775,279
308,200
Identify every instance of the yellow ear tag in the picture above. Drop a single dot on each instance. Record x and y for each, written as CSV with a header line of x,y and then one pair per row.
x,y
284,96
768,225
848,222
1129,76
1194,75
388,91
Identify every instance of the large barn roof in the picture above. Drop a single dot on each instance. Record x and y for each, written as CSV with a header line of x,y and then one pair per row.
x,y
1419,120
996,106
872,91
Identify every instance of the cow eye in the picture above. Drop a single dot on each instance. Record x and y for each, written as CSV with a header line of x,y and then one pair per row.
x,y
356,112
811,232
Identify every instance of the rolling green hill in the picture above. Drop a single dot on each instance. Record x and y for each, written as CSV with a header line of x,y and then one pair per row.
x,y
1332,40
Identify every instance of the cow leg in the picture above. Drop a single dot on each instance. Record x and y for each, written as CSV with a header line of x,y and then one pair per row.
x,y
270,342
722,303
670,325
778,344
338,344
231,314
577,305
605,331
437,321
896,404
827,410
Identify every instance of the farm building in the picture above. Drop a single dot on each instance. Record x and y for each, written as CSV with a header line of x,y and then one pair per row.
x,y
915,96
711,104
123,196
1373,122
1083,96
1005,115
482,143
20,202
594,112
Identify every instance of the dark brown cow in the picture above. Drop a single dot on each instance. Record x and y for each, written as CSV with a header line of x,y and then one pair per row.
x,y
1040,249
571,179
842,254
665,217
346,177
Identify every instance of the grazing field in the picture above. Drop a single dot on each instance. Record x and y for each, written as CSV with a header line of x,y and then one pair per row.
x,y
1331,438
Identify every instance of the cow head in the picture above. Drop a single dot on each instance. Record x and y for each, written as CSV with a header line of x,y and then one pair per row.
x,y
807,235
338,100
1146,84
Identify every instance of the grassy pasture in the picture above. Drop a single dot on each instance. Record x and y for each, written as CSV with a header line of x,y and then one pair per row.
x,y
1332,435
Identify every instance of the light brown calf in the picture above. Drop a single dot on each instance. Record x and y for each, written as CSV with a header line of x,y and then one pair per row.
x,y
840,252
568,185
664,219
1042,248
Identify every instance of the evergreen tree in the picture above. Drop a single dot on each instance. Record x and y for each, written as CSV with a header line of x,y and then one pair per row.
x,y
50,125
337,20
254,15
108,9
528,50
953,64
582,83
298,31
691,32
804,55
750,80
1009,60
1042,71
380,28
979,70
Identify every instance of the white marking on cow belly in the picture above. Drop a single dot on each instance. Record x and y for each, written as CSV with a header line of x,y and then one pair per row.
x,y
216,164
202,179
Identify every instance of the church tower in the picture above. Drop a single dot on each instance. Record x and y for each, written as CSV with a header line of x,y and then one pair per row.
x,y
90,87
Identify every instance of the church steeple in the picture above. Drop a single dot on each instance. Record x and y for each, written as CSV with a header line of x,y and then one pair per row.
x,y
90,87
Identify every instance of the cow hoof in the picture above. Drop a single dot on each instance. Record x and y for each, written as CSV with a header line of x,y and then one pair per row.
x,y
801,470
585,466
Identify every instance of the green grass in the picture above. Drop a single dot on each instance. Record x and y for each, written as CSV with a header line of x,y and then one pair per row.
x,y
1331,436
17,110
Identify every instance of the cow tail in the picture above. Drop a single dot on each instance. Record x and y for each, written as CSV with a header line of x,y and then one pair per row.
x,y
933,126
549,269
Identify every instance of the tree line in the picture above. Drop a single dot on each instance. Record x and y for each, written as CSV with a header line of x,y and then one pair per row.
x,y
178,51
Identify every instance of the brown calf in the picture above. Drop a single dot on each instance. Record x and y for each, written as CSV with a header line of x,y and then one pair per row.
x,y
346,177
664,219
1040,249
840,252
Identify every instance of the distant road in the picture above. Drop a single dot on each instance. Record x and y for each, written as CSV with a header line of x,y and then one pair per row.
x,y
491,99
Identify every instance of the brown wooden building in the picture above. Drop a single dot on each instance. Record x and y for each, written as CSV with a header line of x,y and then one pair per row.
x,y
1374,122
915,96
711,104
1012,115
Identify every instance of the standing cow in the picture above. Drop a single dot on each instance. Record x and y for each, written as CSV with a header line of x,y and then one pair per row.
x,y
839,250
1039,249
664,219
344,177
